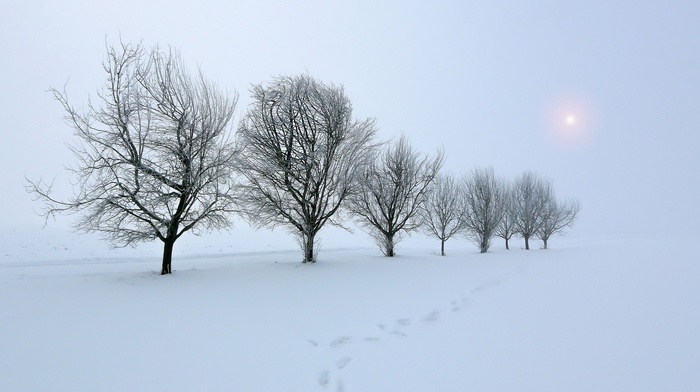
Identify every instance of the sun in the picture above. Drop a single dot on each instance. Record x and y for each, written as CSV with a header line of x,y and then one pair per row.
x,y
569,122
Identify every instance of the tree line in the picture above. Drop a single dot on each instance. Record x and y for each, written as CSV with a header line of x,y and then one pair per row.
x,y
155,159
483,206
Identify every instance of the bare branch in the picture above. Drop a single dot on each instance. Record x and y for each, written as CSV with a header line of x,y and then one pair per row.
x,y
444,211
153,156
301,155
485,206
507,228
391,192
531,196
557,216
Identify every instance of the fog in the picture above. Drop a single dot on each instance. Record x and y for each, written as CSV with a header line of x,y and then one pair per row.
x,y
599,97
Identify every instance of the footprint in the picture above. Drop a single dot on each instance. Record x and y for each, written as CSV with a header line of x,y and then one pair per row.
x,y
313,342
404,322
341,341
372,339
495,282
343,362
401,323
432,317
324,378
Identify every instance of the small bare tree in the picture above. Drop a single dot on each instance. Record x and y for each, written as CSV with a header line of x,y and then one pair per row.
x,y
153,156
531,196
301,153
484,201
391,192
556,217
444,211
507,227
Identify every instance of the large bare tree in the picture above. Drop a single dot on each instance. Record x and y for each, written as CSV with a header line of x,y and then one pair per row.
x,y
392,191
507,228
531,196
485,208
301,153
556,217
153,155
444,211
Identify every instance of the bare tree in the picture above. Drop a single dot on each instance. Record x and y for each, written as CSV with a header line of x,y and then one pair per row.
x,y
531,196
556,217
153,156
507,227
391,192
444,211
484,201
301,153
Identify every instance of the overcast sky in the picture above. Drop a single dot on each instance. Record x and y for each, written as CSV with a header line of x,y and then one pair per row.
x,y
601,97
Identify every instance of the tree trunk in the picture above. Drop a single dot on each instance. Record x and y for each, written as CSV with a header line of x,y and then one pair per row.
x,y
527,242
389,246
309,256
484,246
507,248
172,235
442,247
167,256
545,242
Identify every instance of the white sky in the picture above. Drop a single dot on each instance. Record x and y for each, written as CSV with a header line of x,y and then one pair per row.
x,y
481,79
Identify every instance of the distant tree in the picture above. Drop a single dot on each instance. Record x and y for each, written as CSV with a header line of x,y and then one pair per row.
x,y
153,156
301,153
484,202
444,211
531,196
556,217
391,192
507,228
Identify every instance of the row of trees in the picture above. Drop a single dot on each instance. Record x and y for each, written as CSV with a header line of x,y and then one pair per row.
x,y
155,160
482,206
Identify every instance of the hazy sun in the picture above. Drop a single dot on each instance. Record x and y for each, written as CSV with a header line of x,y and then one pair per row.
x,y
569,122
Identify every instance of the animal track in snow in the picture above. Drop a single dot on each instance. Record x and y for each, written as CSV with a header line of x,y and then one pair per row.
x,y
342,362
341,341
400,325
324,378
485,285
331,375
404,322
432,317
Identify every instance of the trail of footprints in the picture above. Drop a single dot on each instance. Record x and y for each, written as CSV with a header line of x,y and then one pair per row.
x,y
399,328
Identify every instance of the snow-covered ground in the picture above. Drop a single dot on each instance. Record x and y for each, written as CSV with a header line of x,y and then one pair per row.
x,y
240,313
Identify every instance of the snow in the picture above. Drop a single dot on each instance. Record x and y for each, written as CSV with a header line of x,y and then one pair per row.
x,y
241,313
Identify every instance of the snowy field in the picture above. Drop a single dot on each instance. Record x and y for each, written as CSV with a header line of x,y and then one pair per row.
x,y
240,313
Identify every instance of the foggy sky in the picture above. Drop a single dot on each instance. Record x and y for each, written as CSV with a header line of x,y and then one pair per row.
x,y
487,80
